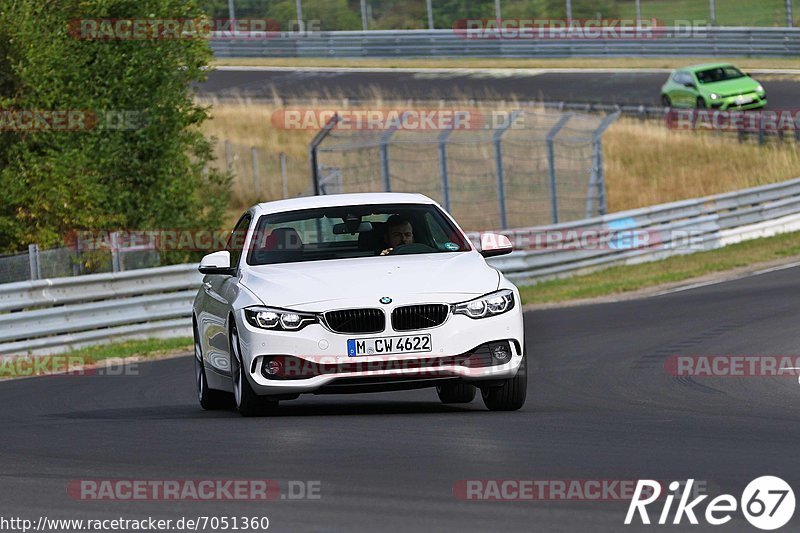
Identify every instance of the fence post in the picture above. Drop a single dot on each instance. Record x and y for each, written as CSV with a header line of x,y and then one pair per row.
x,y
256,181
551,163
597,182
797,130
384,148
443,168
33,261
312,150
228,159
498,161
284,185
116,264
789,18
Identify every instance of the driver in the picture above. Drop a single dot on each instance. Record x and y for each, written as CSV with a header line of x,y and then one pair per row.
x,y
398,231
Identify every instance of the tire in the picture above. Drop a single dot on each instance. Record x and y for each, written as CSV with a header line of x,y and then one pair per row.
x,y
457,392
210,399
510,396
701,104
665,101
247,402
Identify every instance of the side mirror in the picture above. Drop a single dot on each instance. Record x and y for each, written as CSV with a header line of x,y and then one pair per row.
x,y
218,263
690,84
493,244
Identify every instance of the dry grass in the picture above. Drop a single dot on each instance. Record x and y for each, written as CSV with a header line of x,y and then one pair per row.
x,y
649,164
247,126
646,163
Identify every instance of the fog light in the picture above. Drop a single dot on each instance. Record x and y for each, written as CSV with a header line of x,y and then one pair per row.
x,y
273,368
501,352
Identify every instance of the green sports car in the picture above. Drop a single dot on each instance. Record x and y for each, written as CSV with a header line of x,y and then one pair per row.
x,y
713,85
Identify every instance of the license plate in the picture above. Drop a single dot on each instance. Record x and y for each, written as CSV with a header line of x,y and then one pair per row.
x,y
389,345
743,100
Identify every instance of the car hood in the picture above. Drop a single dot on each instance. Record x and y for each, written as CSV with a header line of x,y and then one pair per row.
x,y
317,285
727,87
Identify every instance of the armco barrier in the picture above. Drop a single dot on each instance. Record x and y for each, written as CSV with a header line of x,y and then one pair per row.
x,y
668,42
710,222
49,316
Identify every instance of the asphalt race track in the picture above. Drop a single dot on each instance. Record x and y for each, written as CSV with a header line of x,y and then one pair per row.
x,y
600,406
600,87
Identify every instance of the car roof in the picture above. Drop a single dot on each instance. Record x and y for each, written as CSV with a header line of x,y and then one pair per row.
x,y
704,66
336,200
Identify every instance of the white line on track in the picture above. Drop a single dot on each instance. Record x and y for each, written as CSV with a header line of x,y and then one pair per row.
x,y
726,279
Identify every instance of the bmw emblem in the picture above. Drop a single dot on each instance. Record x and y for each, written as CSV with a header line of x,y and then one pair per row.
x,y
386,300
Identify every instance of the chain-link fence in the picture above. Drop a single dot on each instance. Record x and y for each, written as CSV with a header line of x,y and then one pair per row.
x,y
72,261
536,168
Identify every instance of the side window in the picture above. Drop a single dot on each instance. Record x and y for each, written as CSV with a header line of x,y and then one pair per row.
x,y
237,238
677,77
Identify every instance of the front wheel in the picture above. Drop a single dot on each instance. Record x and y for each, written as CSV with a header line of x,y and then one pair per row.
x,y
248,403
701,103
510,396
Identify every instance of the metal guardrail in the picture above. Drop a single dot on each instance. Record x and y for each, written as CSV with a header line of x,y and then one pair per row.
x,y
667,42
52,315
651,233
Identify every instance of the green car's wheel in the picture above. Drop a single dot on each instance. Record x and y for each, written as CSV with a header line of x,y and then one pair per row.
x,y
701,104
665,101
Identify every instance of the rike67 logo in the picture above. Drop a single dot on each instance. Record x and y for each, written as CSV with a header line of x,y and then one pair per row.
x,y
767,503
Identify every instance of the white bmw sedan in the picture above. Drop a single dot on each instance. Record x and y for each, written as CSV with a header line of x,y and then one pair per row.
x,y
356,293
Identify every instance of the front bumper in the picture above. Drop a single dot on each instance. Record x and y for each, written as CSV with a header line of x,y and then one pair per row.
x,y
326,365
736,103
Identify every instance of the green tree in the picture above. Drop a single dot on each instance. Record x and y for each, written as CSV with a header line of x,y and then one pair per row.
x,y
143,165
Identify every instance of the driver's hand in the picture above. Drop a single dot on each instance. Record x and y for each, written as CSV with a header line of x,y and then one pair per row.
x,y
387,251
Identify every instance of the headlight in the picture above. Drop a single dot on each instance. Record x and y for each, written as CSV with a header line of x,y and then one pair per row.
x,y
760,88
492,304
713,96
278,319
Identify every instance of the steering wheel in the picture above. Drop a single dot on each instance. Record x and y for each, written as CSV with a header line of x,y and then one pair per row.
x,y
413,248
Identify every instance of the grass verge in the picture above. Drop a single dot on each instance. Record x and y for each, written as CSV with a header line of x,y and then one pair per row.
x,y
12,367
133,348
623,279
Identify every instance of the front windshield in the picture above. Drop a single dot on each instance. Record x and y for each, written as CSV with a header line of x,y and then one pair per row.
x,y
353,231
716,74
